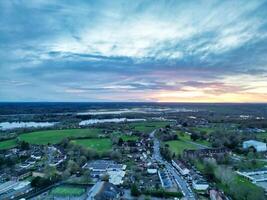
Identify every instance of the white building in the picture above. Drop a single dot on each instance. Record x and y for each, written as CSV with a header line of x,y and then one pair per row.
x,y
152,171
180,167
199,184
259,146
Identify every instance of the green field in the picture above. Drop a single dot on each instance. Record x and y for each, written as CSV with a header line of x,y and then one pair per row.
x,y
8,144
124,136
200,129
55,136
67,191
262,136
245,184
147,127
129,137
185,137
178,146
99,145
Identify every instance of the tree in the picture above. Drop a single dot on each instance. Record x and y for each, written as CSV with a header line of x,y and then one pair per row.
x,y
120,142
194,136
105,177
72,166
134,190
115,155
24,145
40,182
82,160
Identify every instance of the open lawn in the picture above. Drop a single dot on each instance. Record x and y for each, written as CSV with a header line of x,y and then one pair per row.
x,y
187,138
8,144
178,146
67,191
241,182
124,136
245,188
99,145
204,129
129,137
55,136
148,126
262,136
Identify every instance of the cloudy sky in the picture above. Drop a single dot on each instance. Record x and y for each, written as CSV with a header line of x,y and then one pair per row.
x,y
180,51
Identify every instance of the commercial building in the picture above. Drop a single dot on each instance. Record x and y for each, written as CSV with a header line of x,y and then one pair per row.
x,y
116,172
258,146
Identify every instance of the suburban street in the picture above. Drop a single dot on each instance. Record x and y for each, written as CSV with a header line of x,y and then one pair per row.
x,y
182,184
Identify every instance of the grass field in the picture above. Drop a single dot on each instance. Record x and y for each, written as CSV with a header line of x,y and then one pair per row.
x,y
55,136
178,146
207,130
262,136
124,136
99,145
245,184
67,191
186,137
8,144
129,137
148,127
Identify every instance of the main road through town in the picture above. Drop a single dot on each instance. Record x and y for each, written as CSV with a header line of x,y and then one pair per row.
x,y
185,188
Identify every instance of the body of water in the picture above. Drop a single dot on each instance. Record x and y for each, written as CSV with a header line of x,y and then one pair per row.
x,y
114,120
13,125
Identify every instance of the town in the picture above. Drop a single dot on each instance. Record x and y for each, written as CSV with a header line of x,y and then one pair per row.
x,y
128,154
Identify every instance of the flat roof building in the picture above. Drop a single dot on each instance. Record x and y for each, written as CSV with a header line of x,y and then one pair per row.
x,y
12,189
258,146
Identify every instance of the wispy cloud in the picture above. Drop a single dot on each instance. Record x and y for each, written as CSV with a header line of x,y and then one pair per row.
x,y
99,50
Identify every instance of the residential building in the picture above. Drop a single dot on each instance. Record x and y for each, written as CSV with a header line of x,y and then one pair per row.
x,y
209,152
180,167
200,184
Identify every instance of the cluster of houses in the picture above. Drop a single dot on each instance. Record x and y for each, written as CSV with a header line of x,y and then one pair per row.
x,y
13,180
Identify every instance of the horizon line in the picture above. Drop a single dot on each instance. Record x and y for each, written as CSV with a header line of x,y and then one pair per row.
x,y
155,102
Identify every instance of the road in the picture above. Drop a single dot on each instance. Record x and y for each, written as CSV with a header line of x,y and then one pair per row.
x,y
185,188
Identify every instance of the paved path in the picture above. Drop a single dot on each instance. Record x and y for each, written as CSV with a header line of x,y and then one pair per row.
x,y
200,146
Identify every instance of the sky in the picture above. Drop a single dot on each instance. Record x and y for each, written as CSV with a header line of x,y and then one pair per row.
x,y
147,50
